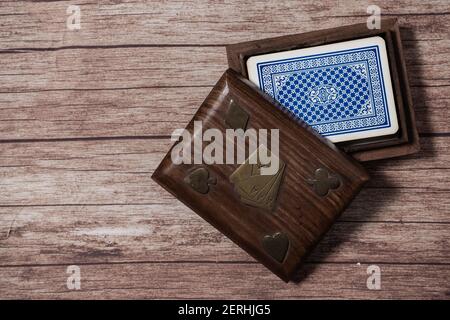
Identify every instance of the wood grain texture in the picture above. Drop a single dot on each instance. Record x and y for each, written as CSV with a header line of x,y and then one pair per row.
x,y
170,232
250,281
131,67
54,194
111,94
201,22
147,112
119,171
129,91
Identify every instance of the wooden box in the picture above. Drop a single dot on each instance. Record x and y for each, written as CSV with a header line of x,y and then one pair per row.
x,y
406,141
278,218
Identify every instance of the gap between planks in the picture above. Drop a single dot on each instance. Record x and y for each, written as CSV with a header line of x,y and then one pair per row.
x,y
151,137
117,263
141,45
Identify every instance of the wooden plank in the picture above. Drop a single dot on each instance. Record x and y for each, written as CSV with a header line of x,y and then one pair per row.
x,y
147,112
432,109
161,232
414,204
423,205
103,113
65,176
219,281
119,171
28,24
125,67
111,68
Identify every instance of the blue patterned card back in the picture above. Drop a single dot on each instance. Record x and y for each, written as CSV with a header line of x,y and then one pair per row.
x,y
342,94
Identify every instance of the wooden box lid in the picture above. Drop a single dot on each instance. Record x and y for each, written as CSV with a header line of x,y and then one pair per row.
x,y
294,208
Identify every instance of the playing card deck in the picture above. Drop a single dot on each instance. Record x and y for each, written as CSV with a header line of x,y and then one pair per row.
x,y
342,90
348,83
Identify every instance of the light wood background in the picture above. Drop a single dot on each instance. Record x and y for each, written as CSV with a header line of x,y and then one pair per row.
x,y
85,117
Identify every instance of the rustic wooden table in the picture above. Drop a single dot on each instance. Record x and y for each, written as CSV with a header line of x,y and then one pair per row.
x,y
85,117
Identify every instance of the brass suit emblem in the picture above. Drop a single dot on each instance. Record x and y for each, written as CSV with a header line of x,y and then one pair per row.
x,y
199,180
255,189
236,117
276,245
323,182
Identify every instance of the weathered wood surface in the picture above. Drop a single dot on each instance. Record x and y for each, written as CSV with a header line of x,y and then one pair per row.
x,y
249,281
170,232
132,90
146,112
118,171
84,120
135,67
201,22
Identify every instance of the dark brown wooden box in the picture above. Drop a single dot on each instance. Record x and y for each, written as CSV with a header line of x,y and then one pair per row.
x,y
407,140
306,203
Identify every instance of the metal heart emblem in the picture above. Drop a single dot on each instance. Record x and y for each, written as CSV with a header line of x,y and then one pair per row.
x,y
276,245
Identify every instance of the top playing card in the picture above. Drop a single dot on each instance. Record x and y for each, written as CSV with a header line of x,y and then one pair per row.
x,y
342,90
